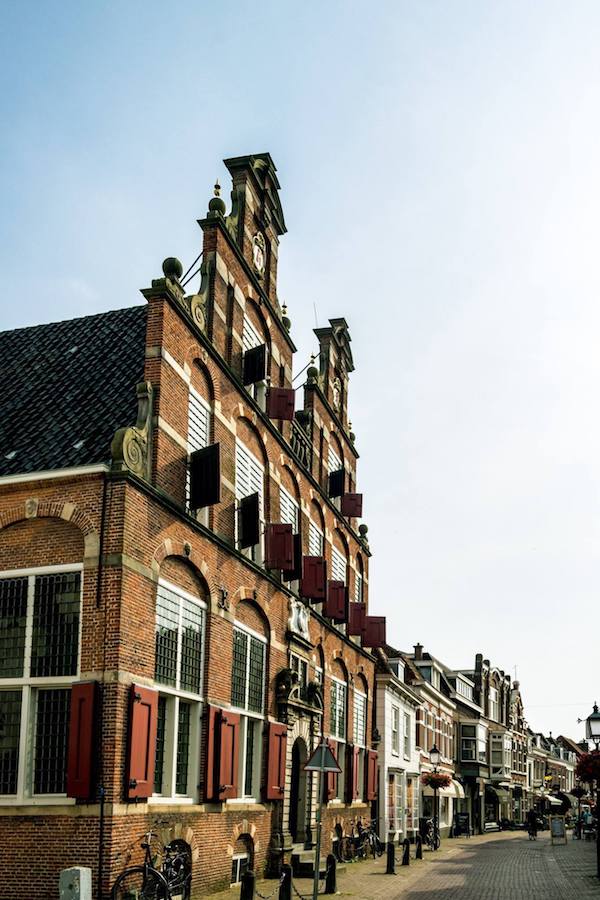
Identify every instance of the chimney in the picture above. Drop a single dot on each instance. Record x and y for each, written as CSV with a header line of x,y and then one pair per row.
x,y
418,651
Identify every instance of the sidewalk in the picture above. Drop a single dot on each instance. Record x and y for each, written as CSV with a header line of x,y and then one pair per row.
x,y
486,867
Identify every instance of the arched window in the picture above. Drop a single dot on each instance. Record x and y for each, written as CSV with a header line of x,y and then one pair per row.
x,y
359,580
250,493
248,695
181,610
199,427
316,530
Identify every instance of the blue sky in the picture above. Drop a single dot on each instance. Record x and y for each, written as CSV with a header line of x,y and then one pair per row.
x,y
439,169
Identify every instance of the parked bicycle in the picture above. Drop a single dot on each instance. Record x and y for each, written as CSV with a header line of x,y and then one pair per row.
x,y
374,844
431,835
354,846
146,882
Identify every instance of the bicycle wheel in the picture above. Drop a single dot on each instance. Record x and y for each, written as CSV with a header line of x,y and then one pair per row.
x,y
378,849
435,843
140,883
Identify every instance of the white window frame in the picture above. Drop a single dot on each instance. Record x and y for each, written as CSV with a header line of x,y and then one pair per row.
x,y
356,725
339,565
341,691
316,540
407,729
29,686
334,463
252,338
256,553
237,858
359,587
196,442
395,742
289,510
246,715
175,695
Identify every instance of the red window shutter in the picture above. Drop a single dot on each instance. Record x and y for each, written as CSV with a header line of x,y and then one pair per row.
x,y
143,715
371,775
374,632
249,520
281,403
254,365
314,577
81,740
210,782
336,603
332,777
353,781
356,618
229,731
295,573
276,761
205,476
352,505
279,547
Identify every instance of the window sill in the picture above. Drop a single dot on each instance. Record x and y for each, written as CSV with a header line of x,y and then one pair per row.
x,y
172,801
50,800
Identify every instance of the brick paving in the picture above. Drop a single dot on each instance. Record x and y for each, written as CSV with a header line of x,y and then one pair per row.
x,y
491,867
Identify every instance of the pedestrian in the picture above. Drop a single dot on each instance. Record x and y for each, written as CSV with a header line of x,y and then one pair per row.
x,y
532,824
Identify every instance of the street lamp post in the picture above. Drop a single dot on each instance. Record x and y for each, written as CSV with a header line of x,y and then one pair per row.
x,y
435,756
592,733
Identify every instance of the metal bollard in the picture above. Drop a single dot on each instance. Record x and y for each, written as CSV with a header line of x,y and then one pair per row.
x,y
405,852
248,883
391,859
330,875
419,850
285,888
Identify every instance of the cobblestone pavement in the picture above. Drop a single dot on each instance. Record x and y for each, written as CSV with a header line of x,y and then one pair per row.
x,y
491,867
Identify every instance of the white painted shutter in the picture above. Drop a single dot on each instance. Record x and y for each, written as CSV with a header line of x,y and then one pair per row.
x,y
289,509
334,463
198,422
250,336
338,565
249,475
315,540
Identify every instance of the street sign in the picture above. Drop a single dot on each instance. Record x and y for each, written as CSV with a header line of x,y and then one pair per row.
x,y
322,760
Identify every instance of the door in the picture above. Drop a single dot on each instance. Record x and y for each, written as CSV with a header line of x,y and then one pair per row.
x,y
297,821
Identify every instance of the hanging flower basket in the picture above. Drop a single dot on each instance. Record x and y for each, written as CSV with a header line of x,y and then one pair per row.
x,y
436,780
588,767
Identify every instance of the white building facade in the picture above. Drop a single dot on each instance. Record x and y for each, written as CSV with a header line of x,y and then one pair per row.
x,y
399,805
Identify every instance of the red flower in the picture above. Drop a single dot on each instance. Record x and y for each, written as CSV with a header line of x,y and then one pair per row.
x,y
436,779
588,767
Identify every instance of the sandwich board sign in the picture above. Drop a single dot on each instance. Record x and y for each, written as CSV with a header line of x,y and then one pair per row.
x,y
322,760
558,833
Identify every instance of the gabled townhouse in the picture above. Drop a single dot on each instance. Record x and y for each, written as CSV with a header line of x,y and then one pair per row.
x,y
492,694
519,745
399,756
434,726
472,765
184,582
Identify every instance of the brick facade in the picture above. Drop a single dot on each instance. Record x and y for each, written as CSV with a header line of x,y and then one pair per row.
x,y
128,532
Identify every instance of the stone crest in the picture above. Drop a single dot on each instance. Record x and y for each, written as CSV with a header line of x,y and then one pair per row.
x,y
259,252
299,618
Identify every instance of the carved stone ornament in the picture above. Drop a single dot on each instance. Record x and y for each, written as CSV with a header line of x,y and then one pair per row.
x,y
197,304
336,393
130,448
299,617
259,252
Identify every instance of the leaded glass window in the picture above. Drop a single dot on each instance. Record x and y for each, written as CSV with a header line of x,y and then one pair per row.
x,y
248,671
55,638
183,747
51,733
13,615
39,657
360,719
10,727
179,641
338,709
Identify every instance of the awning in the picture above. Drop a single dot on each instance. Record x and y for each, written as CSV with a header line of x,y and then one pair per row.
x,y
459,790
501,793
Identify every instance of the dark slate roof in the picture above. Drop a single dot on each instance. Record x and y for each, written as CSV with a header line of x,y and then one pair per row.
x,y
66,383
